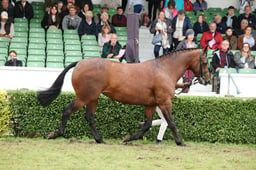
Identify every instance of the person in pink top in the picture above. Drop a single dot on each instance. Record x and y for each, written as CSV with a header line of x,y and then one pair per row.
x,y
171,10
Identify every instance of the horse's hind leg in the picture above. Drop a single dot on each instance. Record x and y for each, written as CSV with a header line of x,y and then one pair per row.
x,y
167,112
149,112
89,116
68,110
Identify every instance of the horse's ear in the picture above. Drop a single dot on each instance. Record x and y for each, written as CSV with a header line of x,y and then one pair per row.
x,y
205,50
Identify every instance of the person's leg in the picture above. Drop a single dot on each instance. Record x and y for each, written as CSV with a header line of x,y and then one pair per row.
x,y
124,3
150,4
175,42
156,6
165,51
156,50
163,126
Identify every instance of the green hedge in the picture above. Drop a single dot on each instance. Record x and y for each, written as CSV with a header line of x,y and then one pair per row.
x,y
212,119
5,114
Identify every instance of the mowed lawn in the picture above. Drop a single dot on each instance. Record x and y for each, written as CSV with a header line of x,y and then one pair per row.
x,y
22,153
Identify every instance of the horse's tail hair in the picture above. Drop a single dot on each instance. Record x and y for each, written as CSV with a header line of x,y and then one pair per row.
x,y
46,97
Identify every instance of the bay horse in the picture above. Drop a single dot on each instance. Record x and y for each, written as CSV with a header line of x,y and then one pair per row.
x,y
151,83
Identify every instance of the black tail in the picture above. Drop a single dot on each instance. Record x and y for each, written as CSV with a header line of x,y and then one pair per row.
x,y
46,97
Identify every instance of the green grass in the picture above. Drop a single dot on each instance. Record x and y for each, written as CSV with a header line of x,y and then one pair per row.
x,y
23,153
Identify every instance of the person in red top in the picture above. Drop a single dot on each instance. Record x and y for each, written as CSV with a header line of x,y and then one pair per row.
x,y
119,19
211,38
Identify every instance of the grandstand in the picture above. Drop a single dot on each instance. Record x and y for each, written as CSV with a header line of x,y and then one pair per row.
x,y
50,51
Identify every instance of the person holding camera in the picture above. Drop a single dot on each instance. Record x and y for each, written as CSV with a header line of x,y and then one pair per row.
x,y
71,21
13,60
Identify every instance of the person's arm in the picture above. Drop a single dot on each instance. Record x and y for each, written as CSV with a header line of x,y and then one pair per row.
x,y
100,40
30,11
203,42
240,42
218,38
215,62
237,60
81,28
196,7
11,34
65,23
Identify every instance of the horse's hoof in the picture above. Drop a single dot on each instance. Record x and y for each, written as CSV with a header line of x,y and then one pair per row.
x,y
126,138
182,145
100,142
51,136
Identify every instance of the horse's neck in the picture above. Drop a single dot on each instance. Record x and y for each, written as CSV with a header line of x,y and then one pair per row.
x,y
175,66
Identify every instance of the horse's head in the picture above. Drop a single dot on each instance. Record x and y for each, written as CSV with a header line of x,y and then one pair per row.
x,y
203,75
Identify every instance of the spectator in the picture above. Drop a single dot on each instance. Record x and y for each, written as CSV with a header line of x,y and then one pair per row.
x,y
48,4
71,21
82,13
188,5
13,60
223,57
110,3
111,49
201,25
137,5
179,4
239,31
104,36
243,4
97,18
187,43
171,10
247,15
87,26
162,26
211,38
89,2
23,9
5,6
221,26
230,19
244,59
65,10
75,3
152,5
51,20
60,8
7,29
231,38
180,25
247,37
200,5
119,19
104,20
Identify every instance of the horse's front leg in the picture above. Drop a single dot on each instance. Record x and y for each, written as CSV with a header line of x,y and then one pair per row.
x,y
167,112
149,112
89,116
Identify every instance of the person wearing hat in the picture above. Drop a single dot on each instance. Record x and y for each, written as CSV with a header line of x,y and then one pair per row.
x,y
187,43
6,29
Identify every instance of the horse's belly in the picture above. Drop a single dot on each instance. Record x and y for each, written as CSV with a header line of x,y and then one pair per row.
x,y
128,96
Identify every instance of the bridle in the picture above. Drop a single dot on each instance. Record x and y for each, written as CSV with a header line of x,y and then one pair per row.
x,y
201,75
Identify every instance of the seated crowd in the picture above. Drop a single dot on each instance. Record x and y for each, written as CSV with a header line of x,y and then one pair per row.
x,y
172,24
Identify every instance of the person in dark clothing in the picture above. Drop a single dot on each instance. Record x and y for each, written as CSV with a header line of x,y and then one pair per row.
x,y
104,20
124,3
13,60
51,20
82,13
82,2
201,25
111,49
223,57
23,9
221,26
119,19
230,19
152,5
248,16
87,26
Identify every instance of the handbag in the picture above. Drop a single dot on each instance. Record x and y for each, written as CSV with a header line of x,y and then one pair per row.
x,y
157,38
